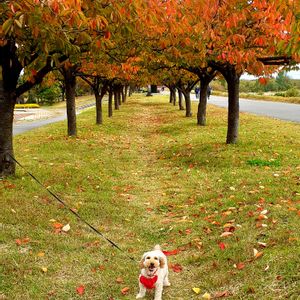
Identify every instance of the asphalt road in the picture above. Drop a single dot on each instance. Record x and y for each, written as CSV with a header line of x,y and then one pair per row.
x,y
277,110
26,126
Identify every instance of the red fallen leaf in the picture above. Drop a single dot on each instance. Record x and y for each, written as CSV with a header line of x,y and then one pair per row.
x,y
229,229
125,290
250,213
20,242
171,252
222,246
177,268
240,266
80,290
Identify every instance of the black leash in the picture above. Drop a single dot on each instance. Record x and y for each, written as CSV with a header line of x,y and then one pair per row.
x,y
71,210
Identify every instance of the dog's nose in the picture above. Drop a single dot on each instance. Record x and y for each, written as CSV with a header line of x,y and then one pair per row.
x,y
151,264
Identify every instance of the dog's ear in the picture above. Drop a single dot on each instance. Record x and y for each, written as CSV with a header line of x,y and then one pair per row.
x,y
162,262
142,263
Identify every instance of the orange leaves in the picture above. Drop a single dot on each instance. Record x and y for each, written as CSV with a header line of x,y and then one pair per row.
x,y
125,290
80,290
262,80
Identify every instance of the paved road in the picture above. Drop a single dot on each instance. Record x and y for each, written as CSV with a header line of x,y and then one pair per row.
x,y
277,110
26,126
22,127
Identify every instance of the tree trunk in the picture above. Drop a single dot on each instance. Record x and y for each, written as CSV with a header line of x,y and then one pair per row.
x,y
180,100
70,84
233,108
201,114
110,102
116,99
9,74
7,102
99,119
188,105
174,96
125,92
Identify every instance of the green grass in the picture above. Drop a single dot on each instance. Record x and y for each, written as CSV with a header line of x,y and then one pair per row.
x,y
149,175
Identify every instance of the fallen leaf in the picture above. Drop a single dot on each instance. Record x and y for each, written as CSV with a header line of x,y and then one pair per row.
x,y
177,268
267,268
196,290
239,266
80,290
226,234
66,228
263,245
57,225
125,290
255,252
222,294
206,296
44,269
41,254
20,242
171,252
119,280
222,246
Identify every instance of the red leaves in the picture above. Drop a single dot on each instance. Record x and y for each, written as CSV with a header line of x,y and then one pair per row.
x,y
80,290
107,35
222,246
171,252
23,241
240,265
262,80
177,268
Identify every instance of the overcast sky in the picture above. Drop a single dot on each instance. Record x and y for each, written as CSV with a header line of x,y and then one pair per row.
x,y
291,74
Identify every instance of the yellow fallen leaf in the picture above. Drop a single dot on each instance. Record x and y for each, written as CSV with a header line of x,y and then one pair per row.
x,y
206,296
41,254
44,269
196,290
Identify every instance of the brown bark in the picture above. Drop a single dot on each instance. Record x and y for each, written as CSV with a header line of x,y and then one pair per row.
x,y
70,84
116,99
10,69
180,100
233,108
188,105
110,102
201,114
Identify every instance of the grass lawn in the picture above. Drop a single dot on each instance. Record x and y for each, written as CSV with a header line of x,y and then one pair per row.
x,y
146,176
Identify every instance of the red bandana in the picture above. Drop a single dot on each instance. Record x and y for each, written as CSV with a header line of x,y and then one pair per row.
x,y
149,283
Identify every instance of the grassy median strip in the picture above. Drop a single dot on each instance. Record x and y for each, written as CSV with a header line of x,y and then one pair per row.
x,y
146,176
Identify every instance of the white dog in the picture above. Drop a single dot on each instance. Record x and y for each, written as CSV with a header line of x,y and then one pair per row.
x,y
154,273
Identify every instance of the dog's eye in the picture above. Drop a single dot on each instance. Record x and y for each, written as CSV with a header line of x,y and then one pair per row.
x,y
155,258
148,257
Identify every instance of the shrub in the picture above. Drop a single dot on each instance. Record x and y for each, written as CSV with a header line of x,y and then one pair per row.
x,y
28,105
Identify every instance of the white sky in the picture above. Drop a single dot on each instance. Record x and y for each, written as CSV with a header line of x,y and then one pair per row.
x,y
291,74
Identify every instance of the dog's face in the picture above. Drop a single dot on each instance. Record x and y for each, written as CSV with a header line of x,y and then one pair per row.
x,y
151,261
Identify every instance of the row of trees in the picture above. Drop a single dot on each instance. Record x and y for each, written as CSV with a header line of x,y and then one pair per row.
x,y
114,44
